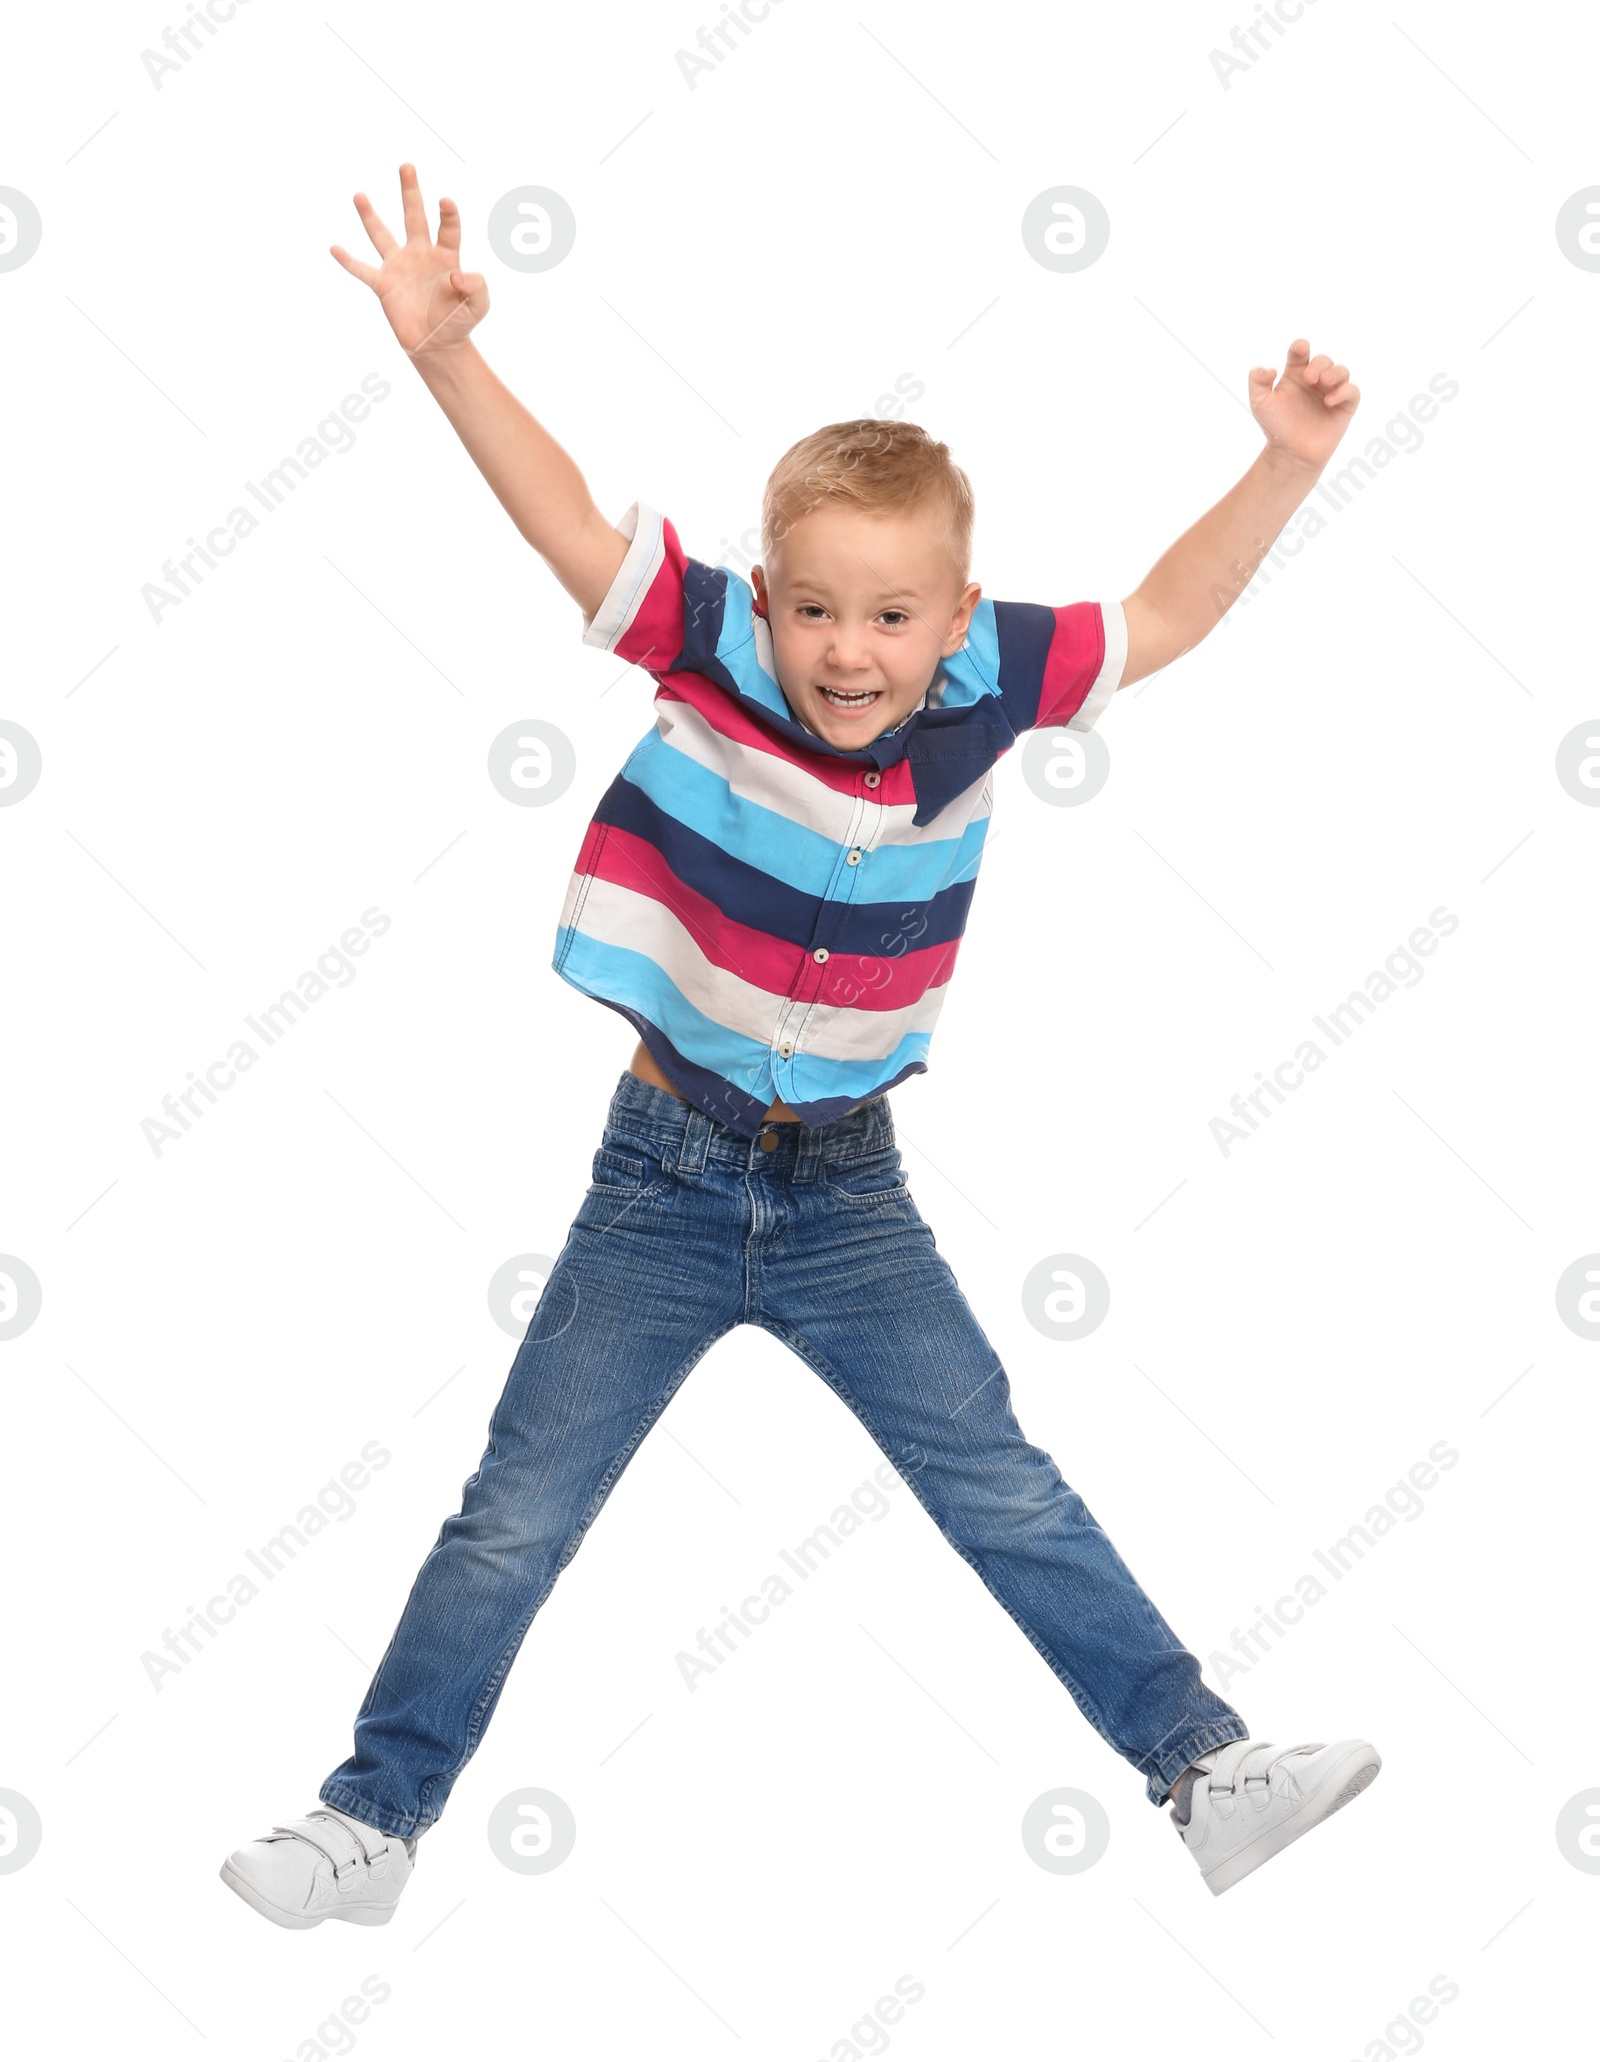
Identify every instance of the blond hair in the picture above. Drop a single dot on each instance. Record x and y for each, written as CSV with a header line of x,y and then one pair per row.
x,y
876,464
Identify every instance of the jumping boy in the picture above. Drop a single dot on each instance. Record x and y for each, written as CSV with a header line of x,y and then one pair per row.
x,y
772,892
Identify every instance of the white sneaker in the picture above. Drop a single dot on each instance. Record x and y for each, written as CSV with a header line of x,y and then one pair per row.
x,y
1254,1798
324,1866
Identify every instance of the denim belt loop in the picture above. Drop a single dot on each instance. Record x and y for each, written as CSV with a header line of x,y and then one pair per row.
x,y
808,1151
694,1141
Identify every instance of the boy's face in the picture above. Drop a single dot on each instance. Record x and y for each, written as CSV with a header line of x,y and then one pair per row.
x,y
864,603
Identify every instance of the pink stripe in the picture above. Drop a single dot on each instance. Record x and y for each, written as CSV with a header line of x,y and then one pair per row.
x,y
846,980
730,718
655,636
593,838
1077,652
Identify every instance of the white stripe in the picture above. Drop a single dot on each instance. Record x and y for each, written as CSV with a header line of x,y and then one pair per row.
x,y
647,552
570,900
790,791
624,917
1105,683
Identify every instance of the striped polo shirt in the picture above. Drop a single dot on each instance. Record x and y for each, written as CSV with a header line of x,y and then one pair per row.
x,y
779,917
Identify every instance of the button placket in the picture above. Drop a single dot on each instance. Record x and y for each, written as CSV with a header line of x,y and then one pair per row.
x,y
854,853
820,954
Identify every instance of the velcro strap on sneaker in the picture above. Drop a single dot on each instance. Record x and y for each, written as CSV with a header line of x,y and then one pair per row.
x,y
329,1836
374,1844
1225,1774
1258,1765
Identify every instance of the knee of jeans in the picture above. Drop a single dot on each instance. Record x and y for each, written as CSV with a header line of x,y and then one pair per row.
x,y
501,1530
1013,1504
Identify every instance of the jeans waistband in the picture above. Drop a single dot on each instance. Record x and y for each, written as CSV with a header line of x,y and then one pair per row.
x,y
689,1138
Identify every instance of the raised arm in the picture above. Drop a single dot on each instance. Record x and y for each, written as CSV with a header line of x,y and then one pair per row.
x,y
1188,589
432,306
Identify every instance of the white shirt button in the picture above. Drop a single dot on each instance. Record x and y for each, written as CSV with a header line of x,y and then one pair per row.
x,y
853,858
784,1051
820,954
872,779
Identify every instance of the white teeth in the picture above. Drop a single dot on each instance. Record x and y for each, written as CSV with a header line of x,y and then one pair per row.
x,y
851,701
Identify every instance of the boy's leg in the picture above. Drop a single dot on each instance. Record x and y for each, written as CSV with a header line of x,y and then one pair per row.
x,y
860,1291
649,1277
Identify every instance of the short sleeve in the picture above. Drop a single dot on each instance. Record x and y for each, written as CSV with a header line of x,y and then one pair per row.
x,y
675,615
641,618
1058,665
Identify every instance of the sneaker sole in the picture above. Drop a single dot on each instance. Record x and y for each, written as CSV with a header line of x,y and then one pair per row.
x,y
1345,1780
354,1915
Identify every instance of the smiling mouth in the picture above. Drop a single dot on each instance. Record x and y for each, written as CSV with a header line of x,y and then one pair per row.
x,y
839,698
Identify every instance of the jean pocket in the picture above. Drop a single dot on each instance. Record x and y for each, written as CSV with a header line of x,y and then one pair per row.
x,y
875,1178
617,1173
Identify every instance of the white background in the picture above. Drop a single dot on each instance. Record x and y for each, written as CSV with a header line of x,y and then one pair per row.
x,y
1369,738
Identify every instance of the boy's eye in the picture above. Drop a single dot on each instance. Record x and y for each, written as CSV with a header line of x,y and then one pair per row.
x,y
810,610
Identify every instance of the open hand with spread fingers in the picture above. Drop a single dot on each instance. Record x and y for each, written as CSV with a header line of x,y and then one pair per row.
x,y
1305,414
432,305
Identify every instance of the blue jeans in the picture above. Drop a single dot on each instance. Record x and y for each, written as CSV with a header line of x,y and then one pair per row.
x,y
688,1230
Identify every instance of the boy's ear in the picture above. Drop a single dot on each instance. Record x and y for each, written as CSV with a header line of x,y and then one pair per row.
x,y
758,583
961,621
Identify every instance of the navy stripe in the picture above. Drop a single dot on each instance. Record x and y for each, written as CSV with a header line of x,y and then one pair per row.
x,y
746,895
1025,630
705,594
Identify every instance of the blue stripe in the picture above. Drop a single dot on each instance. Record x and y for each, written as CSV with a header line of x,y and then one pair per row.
x,y
729,1105
847,1082
614,973
971,674
835,1106
633,981
787,850
733,659
762,901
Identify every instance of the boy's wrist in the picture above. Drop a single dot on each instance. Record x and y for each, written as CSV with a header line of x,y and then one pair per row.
x,y
1286,466
446,367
